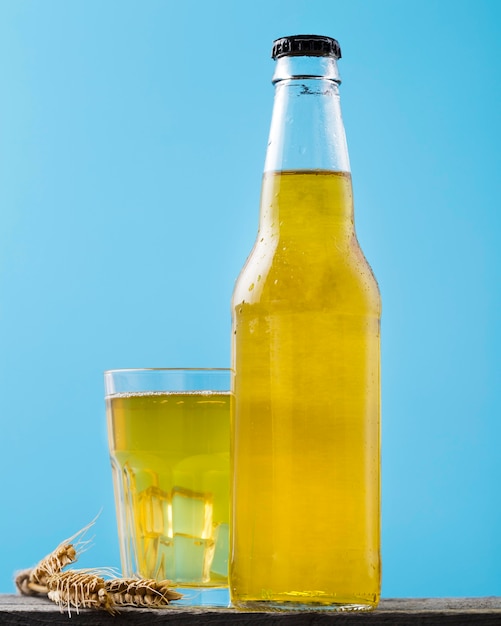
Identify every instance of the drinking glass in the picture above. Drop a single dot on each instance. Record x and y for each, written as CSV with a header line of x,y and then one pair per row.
x,y
169,444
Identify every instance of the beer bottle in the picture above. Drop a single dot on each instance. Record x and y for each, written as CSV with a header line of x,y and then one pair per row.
x,y
306,364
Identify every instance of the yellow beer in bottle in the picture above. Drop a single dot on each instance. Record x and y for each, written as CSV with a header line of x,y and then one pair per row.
x,y
306,313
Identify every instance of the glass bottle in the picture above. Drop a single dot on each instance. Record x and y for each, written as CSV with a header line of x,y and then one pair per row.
x,y
306,364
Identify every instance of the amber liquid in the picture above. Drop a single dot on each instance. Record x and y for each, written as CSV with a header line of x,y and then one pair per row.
x,y
305,428
170,459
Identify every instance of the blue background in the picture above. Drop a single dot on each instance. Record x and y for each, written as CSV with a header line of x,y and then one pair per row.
x,y
132,140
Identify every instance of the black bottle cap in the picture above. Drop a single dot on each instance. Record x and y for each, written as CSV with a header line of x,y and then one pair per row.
x,y
306,46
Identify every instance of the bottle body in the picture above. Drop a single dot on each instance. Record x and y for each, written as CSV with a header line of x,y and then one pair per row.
x,y
305,427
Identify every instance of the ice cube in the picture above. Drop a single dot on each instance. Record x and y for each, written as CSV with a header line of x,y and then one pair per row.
x,y
155,512
192,559
191,513
220,560
165,567
182,559
147,556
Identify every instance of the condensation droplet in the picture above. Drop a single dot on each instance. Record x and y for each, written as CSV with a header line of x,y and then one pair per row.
x,y
251,286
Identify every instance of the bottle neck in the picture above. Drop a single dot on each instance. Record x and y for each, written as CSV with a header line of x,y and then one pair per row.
x,y
307,131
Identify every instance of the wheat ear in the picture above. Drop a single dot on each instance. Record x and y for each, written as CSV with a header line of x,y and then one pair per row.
x,y
33,581
80,589
87,588
141,592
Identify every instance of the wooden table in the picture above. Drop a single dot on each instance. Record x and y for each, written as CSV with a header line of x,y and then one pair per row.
x,y
16,610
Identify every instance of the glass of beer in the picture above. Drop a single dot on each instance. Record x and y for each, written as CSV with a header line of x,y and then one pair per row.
x,y
169,444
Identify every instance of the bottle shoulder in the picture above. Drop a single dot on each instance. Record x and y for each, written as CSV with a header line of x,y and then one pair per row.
x,y
306,253
336,277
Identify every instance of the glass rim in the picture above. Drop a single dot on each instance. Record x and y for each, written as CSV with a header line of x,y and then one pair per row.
x,y
167,369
